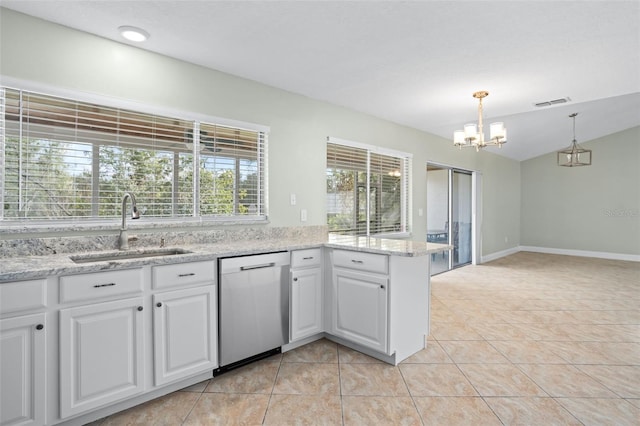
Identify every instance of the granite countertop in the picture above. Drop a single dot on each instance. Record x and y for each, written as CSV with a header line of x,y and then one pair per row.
x,y
30,267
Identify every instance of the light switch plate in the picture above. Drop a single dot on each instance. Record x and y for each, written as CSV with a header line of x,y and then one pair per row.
x,y
303,215
293,199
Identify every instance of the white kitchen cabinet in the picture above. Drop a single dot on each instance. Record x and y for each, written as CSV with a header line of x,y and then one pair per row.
x,y
359,311
23,370
379,303
305,297
23,297
185,320
306,303
185,333
98,354
101,354
181,275
91,287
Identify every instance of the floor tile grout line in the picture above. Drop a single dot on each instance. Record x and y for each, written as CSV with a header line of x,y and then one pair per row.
x,y
577,366
413,401
184,420
567,410
340,386
275,379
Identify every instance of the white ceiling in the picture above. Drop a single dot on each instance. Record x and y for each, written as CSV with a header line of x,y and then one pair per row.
x,y
416,63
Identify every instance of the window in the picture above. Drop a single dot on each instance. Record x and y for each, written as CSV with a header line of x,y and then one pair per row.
x,y
367,189
67,159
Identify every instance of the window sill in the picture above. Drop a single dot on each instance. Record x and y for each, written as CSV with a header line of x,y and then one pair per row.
x,y
94,227
393,235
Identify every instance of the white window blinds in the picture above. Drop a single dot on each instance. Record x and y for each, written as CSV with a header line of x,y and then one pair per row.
x,y
232,162
367,189
66,159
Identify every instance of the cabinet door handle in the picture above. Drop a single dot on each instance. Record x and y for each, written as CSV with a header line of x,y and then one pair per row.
x,y
357,261
190,274
382,286
307,258
159,304
295,279
140,308
104,285
39,327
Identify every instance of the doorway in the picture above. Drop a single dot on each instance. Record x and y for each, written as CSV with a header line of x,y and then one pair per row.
x,y
450,215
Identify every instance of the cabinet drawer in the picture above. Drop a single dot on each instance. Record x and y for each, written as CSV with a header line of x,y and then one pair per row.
x,y
181,274
304,258
100,284
377,263
23,295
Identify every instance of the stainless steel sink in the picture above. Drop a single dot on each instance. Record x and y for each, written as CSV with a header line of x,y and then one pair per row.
x,y
124,255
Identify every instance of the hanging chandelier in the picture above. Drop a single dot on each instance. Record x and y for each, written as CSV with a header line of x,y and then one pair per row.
x,y
473,136
575,155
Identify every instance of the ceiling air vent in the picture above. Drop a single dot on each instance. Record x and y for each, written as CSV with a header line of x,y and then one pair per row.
x,y
553,102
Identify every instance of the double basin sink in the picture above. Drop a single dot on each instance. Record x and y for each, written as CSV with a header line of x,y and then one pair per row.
x,y
126,255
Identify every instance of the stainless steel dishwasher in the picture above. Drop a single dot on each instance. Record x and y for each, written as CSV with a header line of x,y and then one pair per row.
x,y
253,307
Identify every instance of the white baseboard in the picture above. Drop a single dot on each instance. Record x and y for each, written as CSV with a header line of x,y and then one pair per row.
x,y
567,252
582,253
499,254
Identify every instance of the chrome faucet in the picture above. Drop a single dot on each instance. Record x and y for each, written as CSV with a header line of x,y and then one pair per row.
x,y
123,241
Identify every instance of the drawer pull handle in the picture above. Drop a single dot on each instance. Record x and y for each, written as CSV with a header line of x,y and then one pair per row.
x,y
307,258
104,285
357,261
39,327
190,274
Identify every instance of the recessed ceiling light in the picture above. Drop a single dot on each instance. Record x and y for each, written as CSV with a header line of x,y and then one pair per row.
x,y
133,33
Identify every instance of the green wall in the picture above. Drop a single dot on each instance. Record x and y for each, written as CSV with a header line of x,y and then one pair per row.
x,y
37,51
594,208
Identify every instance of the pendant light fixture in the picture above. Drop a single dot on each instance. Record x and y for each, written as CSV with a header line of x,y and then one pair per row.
x,y
473,136
574,155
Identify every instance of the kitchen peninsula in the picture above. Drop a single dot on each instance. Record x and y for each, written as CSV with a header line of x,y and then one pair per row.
x,y
100,334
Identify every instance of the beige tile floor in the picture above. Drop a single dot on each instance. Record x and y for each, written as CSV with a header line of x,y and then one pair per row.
x,y
529,339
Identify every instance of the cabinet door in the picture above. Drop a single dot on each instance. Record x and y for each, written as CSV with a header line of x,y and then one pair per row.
x,y
359,309
22,368
101,354
306,303
185,333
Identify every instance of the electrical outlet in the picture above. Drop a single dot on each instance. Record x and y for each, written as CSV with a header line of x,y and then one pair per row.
x,y
303,215
293,199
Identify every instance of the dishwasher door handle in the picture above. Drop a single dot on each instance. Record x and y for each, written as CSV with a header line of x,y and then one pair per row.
x,y
264,265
